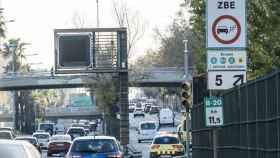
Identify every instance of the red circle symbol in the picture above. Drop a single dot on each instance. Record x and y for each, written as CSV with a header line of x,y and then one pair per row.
x,y
215,30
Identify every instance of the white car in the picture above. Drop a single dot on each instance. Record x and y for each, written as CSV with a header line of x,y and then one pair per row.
x,y
6,135
59,129
18,148
166,117
43,138
138,112
147,130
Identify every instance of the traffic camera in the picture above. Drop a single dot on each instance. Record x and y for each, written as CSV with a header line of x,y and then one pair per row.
x,y
187,96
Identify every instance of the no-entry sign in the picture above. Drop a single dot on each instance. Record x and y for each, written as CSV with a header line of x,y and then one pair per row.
x,y
226,24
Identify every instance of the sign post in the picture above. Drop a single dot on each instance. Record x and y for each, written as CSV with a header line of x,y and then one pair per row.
x,y
226,42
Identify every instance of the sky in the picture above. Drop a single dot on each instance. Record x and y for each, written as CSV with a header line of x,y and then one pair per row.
x,y
35,20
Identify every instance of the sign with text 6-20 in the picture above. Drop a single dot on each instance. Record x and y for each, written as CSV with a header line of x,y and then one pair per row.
x,y
213,111
226,24
223,80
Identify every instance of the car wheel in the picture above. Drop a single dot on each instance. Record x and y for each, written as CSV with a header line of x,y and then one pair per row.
x,y
139,141
49,154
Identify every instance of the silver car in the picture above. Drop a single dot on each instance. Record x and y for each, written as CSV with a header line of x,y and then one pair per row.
x,y
18,149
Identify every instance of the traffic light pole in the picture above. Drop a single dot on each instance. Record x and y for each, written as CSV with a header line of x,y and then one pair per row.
x,y
186,68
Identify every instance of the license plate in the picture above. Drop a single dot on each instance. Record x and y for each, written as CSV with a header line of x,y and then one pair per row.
x,y
59,144
165,156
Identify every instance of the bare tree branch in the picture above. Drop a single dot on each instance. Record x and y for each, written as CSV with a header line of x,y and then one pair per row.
x,y
132,21
77,20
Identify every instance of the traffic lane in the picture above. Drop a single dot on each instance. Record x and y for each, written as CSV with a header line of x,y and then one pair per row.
x,y
145,145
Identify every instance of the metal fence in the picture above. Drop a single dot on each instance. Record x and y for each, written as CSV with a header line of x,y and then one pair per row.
x,y
251,122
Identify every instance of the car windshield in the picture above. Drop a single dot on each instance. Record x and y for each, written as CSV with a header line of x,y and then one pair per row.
x,y
12,151
46,127
166,140
41,136
5,135
80,131
94,146
77,125
146,126
5,129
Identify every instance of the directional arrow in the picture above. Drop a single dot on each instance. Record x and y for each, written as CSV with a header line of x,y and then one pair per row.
x,y
239,78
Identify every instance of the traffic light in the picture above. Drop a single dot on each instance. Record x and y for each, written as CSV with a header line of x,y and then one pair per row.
x,y
187,96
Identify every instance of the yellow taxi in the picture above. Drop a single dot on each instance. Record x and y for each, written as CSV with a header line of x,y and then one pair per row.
x,y
167,145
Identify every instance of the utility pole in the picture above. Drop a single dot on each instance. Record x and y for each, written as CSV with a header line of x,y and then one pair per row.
x,y
13,49
97,13
186,68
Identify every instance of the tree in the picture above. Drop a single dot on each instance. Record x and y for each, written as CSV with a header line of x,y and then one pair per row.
x,y
7,54
130,20
77,20
25,118
2,26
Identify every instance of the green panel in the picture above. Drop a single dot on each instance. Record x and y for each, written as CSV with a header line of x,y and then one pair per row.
x,y
81,101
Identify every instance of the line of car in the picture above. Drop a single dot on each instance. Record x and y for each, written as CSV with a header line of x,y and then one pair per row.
x,y
73,144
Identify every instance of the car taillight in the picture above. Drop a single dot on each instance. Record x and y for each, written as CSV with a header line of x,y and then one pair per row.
x,y
115,156
51,145
156,146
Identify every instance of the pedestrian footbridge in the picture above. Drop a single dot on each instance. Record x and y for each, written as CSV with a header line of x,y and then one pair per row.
x,y
152,77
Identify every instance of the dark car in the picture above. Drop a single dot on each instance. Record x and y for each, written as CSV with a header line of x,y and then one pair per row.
x,y
147,108
32,140
154,110
93,126
95,147
75,132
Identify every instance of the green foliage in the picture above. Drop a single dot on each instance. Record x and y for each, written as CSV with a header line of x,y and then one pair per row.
x,y
106,94
150,59
46,97
7,53
2,26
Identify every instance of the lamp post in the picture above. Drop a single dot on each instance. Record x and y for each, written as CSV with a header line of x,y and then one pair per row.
x,y
12,47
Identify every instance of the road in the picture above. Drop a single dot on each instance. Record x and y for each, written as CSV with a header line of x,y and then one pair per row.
x,y
144,146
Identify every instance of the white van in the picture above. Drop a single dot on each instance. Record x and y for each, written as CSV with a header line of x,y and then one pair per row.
x,y
166,117
146,130
47,127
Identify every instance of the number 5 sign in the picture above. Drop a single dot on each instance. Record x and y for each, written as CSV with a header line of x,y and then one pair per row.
x,y
222,80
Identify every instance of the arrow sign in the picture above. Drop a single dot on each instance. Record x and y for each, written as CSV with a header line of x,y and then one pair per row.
x,y
222,80
239,78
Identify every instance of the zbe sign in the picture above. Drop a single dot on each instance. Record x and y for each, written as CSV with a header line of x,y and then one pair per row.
x,y
226,24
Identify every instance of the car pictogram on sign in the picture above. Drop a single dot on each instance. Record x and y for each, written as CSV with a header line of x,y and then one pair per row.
x,y
222,29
